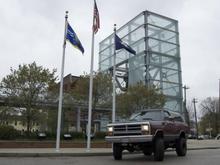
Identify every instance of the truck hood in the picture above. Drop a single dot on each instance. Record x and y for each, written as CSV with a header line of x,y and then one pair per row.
x,y
129,123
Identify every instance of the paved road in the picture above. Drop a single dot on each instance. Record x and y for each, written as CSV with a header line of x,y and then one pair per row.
x,y
195,157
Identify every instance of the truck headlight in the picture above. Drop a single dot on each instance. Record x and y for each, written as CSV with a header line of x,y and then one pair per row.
x,y
110,131
145,129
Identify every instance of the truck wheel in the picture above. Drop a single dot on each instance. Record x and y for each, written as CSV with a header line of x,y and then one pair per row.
x,y
158,149
147,152
181,146
117,151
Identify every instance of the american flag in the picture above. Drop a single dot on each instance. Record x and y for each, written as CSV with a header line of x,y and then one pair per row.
x,y
96,21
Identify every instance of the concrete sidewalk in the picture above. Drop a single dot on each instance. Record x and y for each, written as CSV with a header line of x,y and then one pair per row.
x,y
51,152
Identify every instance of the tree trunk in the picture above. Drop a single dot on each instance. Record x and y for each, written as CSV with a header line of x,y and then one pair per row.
x,y
28,121
216,123
28,126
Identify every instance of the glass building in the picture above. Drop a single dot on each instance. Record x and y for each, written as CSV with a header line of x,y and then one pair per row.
x,y
155,38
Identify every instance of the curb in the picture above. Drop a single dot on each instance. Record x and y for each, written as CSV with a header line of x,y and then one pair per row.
x,y
204,148
78,154
54,154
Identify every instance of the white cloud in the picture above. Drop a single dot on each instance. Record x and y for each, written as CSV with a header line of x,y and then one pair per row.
x,y
32,30
199,47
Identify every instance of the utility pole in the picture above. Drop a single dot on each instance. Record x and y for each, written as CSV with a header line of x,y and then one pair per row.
x,y
218,113
219,97
185,88
186,113
194,102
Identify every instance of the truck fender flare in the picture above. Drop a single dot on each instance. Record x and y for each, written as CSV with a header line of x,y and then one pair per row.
x,y
182,134
158,133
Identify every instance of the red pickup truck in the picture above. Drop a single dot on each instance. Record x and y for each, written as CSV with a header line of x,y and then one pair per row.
x,y
149,131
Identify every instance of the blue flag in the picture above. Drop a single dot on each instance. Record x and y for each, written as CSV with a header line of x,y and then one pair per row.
x,y
121,45
73,39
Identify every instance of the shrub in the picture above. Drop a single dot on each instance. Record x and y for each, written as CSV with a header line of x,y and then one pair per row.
x,y
100,135
24,135
77,135
51,135
8,133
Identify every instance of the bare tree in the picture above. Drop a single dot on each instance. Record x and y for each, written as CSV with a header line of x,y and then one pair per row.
x,y
139,97
210,114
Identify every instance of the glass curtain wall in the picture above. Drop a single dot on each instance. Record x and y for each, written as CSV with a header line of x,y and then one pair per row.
x,y
155,39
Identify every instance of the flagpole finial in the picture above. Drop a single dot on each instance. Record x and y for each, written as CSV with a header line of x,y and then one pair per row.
x,y
66,14
115,27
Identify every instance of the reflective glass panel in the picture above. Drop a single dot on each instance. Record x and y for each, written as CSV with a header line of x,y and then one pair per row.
x,y
162,34
162,22
163,47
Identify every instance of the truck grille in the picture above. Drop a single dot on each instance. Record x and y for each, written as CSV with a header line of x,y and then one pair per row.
x,y
125,130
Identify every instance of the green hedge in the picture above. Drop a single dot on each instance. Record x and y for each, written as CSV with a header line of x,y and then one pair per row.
x,y
51,135
8,133
77,135
100,135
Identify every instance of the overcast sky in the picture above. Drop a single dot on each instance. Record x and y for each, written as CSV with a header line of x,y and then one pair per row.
x,y
32,30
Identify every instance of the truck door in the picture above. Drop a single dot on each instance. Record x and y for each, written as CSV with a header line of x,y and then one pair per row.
x,y
169,127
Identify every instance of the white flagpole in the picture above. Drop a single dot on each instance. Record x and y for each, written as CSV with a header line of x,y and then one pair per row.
x,y
113,81
61,88
90,92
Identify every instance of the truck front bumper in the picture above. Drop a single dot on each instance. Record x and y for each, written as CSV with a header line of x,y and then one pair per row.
x,y
129,139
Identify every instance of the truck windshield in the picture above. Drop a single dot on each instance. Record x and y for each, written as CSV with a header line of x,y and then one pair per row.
x,y
146,115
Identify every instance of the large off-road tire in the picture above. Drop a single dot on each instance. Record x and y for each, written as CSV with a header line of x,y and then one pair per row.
x,y
117,151
147,152
159,149
181,146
